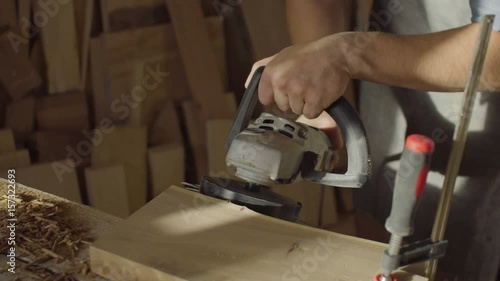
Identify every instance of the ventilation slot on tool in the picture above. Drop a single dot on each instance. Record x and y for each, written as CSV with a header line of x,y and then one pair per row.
x,y
268,121
269,128
285,133
289,127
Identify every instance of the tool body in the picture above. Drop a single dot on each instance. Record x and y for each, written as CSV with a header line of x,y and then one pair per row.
x,y
274,150
408,189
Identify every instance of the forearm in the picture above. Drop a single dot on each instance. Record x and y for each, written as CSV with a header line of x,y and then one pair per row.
x,y
309,20
434,62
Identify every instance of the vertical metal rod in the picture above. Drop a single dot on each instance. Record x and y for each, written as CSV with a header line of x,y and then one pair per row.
x,y
460,137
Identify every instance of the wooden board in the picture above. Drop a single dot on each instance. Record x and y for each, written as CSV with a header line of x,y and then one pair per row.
x,y
166,127
14,159
60,45
24,15
205,81
8,14
52,146
309,194
127,146
124,62
329,215
20,117
107,189
197,138
182,235
66,113
16,72
56,178
7,143
119,15
166,166
267,26
217,132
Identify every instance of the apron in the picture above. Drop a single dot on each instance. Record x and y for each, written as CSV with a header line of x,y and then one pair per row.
x,y
390,114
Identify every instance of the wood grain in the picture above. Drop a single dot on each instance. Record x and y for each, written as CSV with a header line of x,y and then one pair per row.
x,y
223,241
205,81
60,45
65,113
120,15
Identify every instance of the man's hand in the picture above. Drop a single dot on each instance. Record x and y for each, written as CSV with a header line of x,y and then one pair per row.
x,y
304,78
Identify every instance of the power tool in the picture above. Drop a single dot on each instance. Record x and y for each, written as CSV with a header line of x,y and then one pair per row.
x,y
274,150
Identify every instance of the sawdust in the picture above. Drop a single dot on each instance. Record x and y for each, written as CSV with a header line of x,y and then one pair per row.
x,y
44,234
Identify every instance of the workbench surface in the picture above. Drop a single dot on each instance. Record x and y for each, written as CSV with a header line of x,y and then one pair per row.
x,y
43,220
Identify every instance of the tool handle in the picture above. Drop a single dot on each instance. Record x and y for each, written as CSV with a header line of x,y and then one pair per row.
x,y
358,156
409,184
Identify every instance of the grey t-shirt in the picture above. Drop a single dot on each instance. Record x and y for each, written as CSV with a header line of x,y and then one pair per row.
x,y
390,114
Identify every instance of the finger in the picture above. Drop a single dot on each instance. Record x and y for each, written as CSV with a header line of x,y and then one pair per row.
x,y
257,65
281,99
312,110
296,104
266,93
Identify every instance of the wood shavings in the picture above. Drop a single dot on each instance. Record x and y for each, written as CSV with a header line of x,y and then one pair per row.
x,y
45,235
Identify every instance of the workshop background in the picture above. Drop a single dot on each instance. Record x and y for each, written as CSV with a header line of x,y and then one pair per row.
x,y
106,103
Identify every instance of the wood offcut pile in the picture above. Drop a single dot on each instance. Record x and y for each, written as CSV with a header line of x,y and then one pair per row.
x,y
109,102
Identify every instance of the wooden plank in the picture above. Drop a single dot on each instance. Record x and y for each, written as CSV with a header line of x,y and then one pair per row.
x,y
205,81
65,113
85,42
16,72
7,143
60,45
267,26
24,15
307,193
56,178
196,134
166,128
8,14
127,146
120,15
223,241
102,101
166,166
217,132
107,189
20,117
329,214
14,159
52,146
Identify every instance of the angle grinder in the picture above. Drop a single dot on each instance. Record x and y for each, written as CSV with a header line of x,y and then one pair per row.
x,y
274,150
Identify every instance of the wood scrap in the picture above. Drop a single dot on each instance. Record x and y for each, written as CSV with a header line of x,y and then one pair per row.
x,y
166,166
217,132
120,15
307,193
60,45
107,189
7,143
14,159
53,146
267,26
20,118
127,146
329,214
196,133
85,42
16,74
24,17
66,113
206,84
223,241
58,178
166,128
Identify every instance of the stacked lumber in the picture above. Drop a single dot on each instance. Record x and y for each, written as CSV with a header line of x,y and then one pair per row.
x,y
111,111
95,114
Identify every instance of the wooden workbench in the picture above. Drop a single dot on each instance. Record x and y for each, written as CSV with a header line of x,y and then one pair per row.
x,y
91,222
